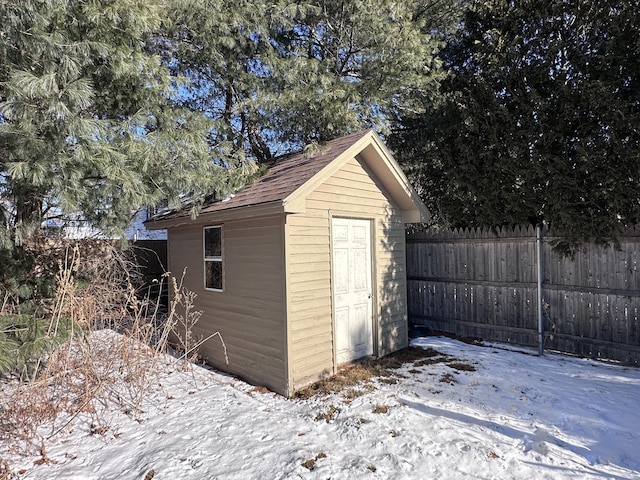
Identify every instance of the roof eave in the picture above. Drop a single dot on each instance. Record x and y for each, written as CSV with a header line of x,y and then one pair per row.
x,y
415,216
296,199
234,213
375,154
385,167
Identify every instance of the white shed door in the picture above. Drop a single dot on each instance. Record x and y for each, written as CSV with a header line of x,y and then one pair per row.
x,y
352,288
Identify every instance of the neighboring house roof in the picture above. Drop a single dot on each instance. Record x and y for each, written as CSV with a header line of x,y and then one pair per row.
x,y
77,228
285,185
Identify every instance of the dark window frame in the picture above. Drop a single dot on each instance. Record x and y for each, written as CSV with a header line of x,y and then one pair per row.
x,y
213,258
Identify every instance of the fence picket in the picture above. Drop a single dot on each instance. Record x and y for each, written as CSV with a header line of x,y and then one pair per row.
x,y
483,283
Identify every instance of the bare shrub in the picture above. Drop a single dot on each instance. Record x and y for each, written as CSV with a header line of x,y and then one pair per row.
x,y
112,357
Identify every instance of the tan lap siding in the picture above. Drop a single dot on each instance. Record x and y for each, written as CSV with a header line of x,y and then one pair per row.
x,y
392,287
352,191
309,291
249,313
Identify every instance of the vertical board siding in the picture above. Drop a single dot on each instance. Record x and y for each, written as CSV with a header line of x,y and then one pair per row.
x,y
353,190
249,313
480,284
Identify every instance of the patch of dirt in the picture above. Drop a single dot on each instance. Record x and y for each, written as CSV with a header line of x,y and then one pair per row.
x,y
448,378
432,361
467,340
389,380
464,367
381,408
363,372
354,393
311,463
263,390
329,415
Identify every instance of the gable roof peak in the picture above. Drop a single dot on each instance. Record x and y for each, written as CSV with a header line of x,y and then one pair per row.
x,y
291,176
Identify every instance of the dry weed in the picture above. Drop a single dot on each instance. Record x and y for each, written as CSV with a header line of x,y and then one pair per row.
x,y
96,368
432,361
448,378
363,372
329,415
389,380
261,390
309,464
5,471
461,366
354,393
381,408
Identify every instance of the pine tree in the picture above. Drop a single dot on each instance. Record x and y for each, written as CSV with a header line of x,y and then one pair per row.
x,y
539,121
109,105
88,122
276,76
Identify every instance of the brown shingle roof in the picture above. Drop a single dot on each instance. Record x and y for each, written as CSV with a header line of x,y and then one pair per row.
x,y
288,173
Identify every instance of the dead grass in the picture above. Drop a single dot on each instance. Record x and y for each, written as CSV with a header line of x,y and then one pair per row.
x,y
354,393
467,340
5,471
448,378
311,463
363,372
91,370
381,408
389,380
328,415
432,361
461,366
261,390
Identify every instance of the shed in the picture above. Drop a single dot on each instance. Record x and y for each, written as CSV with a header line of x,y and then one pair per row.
x,y
303,270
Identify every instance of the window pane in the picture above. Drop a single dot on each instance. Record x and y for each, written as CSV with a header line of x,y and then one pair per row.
x,y
213,275
212,242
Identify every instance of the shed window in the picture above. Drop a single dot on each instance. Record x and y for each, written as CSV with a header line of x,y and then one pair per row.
x,y
213,258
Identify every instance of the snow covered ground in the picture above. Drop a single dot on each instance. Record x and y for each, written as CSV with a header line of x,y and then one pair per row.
x,y
518,416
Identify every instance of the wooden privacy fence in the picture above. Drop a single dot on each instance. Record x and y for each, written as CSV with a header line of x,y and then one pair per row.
x,y
151,260
483,284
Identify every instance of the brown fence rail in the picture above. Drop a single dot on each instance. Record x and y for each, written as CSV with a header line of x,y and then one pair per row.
x,y
483,284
